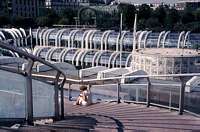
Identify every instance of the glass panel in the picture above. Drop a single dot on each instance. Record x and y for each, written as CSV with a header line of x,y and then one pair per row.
x,y
43,99
12,104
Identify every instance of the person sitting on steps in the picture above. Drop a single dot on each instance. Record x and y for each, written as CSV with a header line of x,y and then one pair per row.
x,y
84,97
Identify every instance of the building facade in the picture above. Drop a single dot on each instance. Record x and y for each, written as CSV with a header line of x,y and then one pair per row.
x,y
166,61
26,8
60,5
192,4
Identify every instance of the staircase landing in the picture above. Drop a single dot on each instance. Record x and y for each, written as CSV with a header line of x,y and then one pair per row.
x,y
113,117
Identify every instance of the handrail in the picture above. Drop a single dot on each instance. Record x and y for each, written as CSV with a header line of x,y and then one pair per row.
x,y
69,80
28,73
117,79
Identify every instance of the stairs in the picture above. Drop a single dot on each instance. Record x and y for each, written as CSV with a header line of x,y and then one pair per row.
x,y
113,117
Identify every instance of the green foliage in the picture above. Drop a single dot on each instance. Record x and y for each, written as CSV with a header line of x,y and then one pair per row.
x,y
128,12
144,11
23,22
43,21
63,21
162,18
187,16
4,20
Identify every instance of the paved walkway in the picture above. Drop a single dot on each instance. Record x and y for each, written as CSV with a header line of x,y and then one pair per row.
x,y
123,117
132,117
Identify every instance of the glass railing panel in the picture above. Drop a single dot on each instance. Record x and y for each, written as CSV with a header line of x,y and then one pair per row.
x,y
12,91
43,99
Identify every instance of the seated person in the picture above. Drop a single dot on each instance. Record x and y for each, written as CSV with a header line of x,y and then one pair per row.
x,y
84,97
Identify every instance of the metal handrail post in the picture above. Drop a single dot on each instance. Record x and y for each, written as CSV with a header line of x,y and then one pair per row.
x,y
69,92
118,93
181,97
56,97
148,92
61,96
29,93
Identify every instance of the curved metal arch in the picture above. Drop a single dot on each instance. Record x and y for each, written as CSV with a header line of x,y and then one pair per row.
x,y
36,50
106,39
2,35
180,38
84,55
23,31
60,36
12,34
49,53
75,56
165,37
87,38
111,58
135,41
129,58
91,38
60,58
115,58
78,58
40,50
71,38
103,38
56,37
47,36
140,38
44,37
117,42
37,36
19,35
95,58
159,38
63,54
186,37
83,44
25,36
41,35
122,38
145,39
99,56
52,52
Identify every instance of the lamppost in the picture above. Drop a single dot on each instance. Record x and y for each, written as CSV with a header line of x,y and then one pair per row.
x,y
76,21
95,20
120,42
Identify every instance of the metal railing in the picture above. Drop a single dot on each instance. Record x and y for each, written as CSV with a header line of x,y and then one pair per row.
x,y
27,72
148,102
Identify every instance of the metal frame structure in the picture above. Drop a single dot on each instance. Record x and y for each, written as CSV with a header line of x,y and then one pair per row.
x,y
28,74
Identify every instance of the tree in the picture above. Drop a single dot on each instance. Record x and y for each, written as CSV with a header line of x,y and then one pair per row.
x,y
43,21
144,11
63,21
197,14
160,13
69,14
128,12
4,20
187,16
19,21
152,23
172,18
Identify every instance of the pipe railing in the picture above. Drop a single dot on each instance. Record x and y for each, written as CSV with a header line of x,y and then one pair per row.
x,y
28,73
117,80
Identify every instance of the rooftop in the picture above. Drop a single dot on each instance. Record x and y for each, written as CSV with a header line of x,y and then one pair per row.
x,y
169,52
